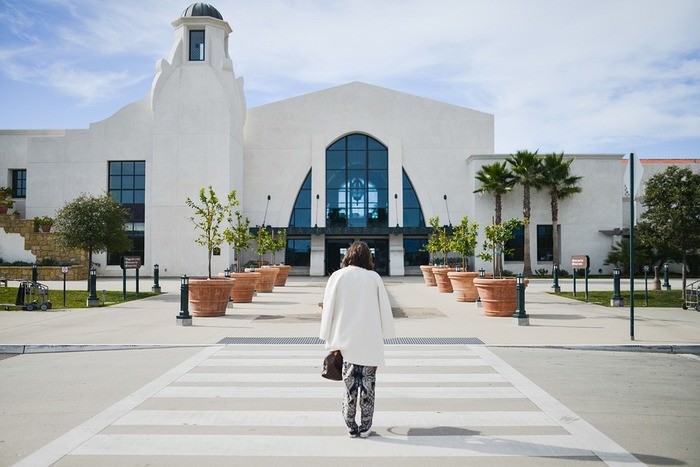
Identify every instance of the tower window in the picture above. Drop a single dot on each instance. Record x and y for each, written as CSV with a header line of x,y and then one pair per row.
x,y
196,45
19,183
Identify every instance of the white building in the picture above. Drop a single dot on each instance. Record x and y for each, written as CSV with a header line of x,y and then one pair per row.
x,y
351,162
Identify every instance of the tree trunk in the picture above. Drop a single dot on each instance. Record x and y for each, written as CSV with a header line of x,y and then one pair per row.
x,y
498,260
209,265
556,254
527,266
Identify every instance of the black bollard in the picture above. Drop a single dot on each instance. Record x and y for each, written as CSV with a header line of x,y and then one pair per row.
x,y
92,299
156,279
184,318
522,318
616,299
667,285
555,277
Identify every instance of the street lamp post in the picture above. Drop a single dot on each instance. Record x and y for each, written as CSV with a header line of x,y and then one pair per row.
x,y
520,316
184,318
482,274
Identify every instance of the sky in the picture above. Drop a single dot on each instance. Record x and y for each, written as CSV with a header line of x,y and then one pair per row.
x,y
578,76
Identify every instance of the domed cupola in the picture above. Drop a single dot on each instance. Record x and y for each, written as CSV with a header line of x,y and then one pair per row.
x,y
202,9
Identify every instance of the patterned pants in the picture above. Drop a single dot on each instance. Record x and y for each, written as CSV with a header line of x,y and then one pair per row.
x,y
359,381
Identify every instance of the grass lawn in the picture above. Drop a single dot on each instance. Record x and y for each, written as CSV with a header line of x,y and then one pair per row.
x,y
74,298
657,298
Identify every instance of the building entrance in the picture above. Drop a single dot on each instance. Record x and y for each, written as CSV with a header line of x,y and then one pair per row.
x,y
336,248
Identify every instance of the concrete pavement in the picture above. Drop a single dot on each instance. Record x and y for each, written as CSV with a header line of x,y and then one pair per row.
x,y
293,311
505,403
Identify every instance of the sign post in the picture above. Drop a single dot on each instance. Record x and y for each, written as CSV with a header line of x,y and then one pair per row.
x,y
130,262
581,262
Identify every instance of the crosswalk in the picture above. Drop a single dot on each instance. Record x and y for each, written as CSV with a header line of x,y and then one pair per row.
x,y
268,405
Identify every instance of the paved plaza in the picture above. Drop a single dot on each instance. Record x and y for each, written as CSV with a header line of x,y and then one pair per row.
x,y
124,385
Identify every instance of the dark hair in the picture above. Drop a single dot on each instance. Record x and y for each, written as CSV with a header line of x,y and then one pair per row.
x,y
358,255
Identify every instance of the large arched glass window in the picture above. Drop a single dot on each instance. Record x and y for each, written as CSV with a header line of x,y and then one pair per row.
x,y
357,183
301,214
412,213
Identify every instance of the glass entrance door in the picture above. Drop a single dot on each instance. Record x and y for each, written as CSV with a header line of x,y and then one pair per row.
x,y
336,248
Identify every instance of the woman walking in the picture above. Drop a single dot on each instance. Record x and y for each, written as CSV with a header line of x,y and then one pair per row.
x,y
356,319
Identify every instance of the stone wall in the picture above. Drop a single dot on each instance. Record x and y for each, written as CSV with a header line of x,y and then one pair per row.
x,y
45,273
43,246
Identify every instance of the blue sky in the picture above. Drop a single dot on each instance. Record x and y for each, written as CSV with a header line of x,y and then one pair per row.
x,y
600,76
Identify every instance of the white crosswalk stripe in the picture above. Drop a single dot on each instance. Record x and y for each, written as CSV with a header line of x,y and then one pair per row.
x,y
268,402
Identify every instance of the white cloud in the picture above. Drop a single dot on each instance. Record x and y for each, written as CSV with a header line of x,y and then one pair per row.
x,y
558,75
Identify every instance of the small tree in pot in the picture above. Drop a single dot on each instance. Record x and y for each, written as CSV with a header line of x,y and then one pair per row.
x,y
498,296
238,235
464,242
210,297
265,243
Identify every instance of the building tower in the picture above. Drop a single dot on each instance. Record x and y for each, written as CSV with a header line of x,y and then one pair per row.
x,y
198,116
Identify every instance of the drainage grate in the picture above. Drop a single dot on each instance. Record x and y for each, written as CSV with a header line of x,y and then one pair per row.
x,y
316,340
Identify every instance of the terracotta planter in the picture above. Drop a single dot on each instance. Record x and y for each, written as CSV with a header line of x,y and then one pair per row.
x,y
443,282
428,276
46,228
282,275
209,297
244,286
463,285
267,278
4,208
498,296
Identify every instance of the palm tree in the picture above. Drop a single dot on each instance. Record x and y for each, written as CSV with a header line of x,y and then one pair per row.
x,y
556,177
526,167
495,179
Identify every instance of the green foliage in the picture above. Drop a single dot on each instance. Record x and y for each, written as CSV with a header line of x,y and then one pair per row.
x,y
542,272
237,234
5,192
671,221
93,224
464,239
43,220
263,241
619,256
496,237
278,243
207,219
76,298
657,298
432,246
495,179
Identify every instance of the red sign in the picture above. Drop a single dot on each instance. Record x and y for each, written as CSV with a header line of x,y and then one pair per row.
x,y
131,262
579,262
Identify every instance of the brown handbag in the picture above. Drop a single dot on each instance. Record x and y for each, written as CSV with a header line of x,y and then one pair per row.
x,y
333,366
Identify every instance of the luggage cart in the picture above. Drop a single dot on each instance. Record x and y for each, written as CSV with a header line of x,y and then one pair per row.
x,y
32,296
692,296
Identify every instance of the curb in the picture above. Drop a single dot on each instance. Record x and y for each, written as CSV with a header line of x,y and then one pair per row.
x,y
649,348
55,348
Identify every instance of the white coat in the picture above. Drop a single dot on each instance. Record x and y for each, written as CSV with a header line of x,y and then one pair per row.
x,y
356,316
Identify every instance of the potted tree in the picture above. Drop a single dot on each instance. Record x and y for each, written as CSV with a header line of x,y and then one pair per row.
x,y
237,234
432,247
264,243
43,223
498,295
464,242
444,246
5,203
209,296
279,242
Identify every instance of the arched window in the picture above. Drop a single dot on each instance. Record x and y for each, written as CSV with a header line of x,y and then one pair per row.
x,y
301,214
357,182
412,212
